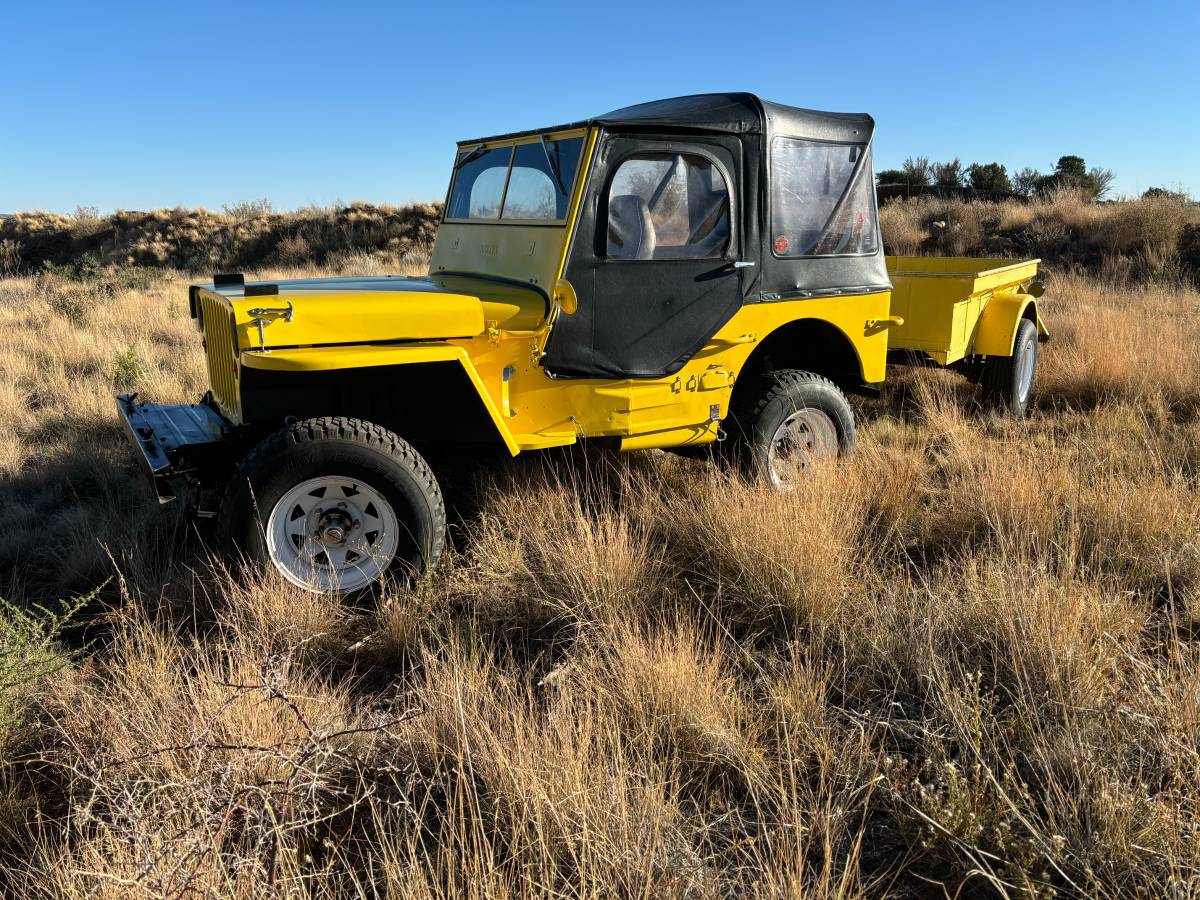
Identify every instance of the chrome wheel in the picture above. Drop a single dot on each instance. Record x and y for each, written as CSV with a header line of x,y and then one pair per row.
x,y
803,437
332,534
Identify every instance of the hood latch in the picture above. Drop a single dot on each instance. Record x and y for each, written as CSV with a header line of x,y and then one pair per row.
x,y
264,316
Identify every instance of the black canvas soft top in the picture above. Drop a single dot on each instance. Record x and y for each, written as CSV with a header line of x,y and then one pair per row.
x,y
734,113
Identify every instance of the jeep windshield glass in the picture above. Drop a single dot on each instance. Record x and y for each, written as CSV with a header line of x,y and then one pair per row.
x,y
530,182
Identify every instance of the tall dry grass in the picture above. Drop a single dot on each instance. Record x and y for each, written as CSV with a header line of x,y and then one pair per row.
x,y
1148,239
966,660
248,235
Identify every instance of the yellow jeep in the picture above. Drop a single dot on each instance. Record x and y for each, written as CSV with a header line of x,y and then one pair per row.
x,y
667,275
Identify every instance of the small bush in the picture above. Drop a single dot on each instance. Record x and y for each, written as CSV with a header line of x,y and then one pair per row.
x,y
128,369
249,209
72,304
30,650
294,250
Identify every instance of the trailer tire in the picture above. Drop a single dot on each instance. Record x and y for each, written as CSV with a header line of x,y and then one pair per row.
x,y
789,418
335,505
1008,381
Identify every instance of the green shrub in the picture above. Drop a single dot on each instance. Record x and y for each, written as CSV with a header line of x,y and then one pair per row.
x,y
82,268
71,303
128,369
30,650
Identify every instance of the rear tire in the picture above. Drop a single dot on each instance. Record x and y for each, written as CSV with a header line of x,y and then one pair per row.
x,y
789,419
335,505
1008,381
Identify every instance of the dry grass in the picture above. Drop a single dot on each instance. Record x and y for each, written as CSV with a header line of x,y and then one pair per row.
x,y
966,659
1124,241
249,235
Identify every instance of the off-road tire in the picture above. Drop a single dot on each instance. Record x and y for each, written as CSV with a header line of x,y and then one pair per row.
x,y
346,447
1002,384
775,396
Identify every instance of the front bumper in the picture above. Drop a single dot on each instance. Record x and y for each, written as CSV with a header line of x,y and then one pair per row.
x,y
173,442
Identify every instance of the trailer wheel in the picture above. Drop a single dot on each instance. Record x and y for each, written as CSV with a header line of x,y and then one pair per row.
x,y
334,504
790,419
1008,381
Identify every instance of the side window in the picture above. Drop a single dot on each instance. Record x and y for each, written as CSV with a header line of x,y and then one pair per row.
x,y
668,206
822,199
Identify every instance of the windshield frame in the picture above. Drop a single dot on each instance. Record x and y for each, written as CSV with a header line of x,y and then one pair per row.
x,y
569,178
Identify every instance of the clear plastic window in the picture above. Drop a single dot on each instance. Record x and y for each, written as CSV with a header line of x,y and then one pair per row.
x,y
822,199
540,184
668,206
479,184
539,187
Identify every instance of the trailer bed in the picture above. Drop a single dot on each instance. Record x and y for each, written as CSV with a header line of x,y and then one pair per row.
x,y
942,300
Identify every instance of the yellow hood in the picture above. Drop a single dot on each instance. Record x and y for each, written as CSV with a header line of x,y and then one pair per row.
x,y
324,311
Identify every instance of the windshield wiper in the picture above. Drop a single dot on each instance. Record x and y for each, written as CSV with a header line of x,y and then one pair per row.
x,y
550,161
473,155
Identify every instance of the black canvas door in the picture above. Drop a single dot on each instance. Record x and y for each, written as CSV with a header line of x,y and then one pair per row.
x,y
654,258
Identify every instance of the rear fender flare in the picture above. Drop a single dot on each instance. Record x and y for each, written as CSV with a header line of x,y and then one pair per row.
x,y
997,329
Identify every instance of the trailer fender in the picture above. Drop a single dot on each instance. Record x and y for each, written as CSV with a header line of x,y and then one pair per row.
x,y
997,329
315,359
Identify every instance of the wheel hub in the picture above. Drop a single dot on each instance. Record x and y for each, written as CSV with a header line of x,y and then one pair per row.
x,y
333,526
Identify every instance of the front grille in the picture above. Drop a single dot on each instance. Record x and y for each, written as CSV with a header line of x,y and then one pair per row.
x,y
220,346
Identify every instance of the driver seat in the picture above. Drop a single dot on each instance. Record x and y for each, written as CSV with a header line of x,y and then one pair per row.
x,y
630,229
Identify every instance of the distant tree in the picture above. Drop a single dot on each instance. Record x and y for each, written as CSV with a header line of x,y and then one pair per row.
x,y
990,177
1100,181
1162,193
917,171
948,174
1072,173
1070,167
891,176
1025,182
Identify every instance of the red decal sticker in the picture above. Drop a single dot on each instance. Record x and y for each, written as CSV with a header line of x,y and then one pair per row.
x,y
781,245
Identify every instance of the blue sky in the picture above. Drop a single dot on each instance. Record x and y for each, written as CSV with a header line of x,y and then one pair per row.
x,y
141,105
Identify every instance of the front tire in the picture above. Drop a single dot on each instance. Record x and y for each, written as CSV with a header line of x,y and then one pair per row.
x,y
1008,381
790,420
335,505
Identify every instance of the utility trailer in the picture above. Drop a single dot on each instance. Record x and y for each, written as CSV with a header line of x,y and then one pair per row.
x,y
674,274
971,313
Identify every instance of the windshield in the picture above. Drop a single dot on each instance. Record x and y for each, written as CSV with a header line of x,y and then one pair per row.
x,y
528,182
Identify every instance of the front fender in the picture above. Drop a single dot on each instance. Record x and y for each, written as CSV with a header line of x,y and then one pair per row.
x,y
997,329
316,359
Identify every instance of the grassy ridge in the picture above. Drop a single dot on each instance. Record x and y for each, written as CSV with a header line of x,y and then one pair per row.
x,y
1150,238
199,240
969,656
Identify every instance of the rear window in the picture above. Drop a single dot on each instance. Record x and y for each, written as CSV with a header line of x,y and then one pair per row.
x,y
822,199
529,182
